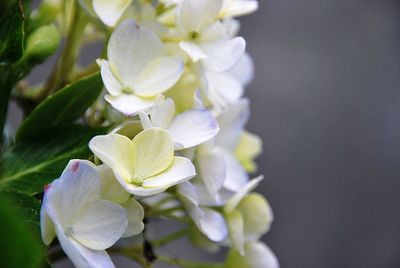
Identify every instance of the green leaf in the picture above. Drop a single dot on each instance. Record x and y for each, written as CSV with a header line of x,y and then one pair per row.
x,y
30,165
11,30
18,247
62,108
12,22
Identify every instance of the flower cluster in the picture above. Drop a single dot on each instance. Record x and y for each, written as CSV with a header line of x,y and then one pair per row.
x,y
174,73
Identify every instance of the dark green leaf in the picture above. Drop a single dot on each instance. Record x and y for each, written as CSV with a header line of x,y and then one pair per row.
x,y
30,165
62,108
18,247
11,30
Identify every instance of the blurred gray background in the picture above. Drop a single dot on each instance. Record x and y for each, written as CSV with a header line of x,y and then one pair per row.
x,y
326,100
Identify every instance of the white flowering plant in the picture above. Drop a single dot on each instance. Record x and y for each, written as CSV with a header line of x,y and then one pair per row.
x,y
151,130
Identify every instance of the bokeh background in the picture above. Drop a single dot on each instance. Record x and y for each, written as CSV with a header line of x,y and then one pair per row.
x,y
326,101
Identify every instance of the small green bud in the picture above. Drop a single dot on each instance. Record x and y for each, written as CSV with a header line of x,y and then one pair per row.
x,y
42,42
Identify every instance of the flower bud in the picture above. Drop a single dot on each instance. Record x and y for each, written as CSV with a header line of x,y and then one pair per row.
x,y
257,215
42,42
257,255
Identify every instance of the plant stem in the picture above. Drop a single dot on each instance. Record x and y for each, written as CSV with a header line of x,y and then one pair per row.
x,y
163,212
170,237
66,62
188,264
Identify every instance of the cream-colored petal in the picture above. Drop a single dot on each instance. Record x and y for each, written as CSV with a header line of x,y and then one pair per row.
x,y
129,104
180,170
235,200
135,215
112,189
154,152
109,11
158,76
130,48
235,227
117,152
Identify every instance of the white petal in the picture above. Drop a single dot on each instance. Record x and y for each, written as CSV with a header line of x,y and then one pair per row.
x,y
130,48
129,103
116,151
140,191
110,82
193,127
205,198
78,186
179,171
235,177
238,8
222,55
110,11
145,120
188,191
153,153
158,75
243,70
257,255
47,228
212,170
235,200
235,227
112,189
163,112
214,31
99,225
193,15
232,122
210,223
223,88
81,256
135,215
193,50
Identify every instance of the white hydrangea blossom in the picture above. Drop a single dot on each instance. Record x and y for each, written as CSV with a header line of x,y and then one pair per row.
x,y
84,223
145,165
137,69
187,129
174,75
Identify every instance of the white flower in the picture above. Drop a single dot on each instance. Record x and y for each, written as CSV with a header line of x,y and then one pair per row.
x,y
249,216
256,255
110,11
235,8
204,37
225,88
137,70
145,165
187,129
84,223
219,170
113,191
210,222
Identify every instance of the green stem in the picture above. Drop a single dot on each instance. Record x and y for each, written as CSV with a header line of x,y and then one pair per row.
x,y
66,62
163,212
188,264
170,237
